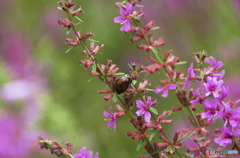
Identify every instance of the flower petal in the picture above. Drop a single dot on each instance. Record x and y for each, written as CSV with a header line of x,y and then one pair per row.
x,y
205,115
126,26
123,11
149,101
147,116
140,112
128,9
110,123
119,19
233,123
171,86
106,114
140,104
158,90
96,155
165,93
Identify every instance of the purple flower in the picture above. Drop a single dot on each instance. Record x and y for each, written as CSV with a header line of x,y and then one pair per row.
x,y
125,18
214,63
198,99
232,116
144,108
224,94
83,153
165,89
189,77
213,86
112,119
226,138
210,110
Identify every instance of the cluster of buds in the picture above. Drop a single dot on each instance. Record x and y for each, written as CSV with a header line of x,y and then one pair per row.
x,y
136,135
55,147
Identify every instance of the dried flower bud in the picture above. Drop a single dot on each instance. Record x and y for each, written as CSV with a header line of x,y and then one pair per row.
x,y
76,12
72,42
145,47
149,25
65,23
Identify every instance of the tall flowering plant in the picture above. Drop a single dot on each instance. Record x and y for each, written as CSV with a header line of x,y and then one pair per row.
x,y
132,93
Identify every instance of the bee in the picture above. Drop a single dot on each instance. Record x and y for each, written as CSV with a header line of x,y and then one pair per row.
x,y
122,83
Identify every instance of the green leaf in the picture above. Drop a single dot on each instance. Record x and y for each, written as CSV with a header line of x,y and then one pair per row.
x,y
159,150
138,5
138,20
130,66
202,74
140,144
78,19
150,89
155,28
153,110
217,75
186,134
68,30
92,79
152,135
119,73
94,67
134,82
180,63
93,40
60,8
70,48
115,98
124,2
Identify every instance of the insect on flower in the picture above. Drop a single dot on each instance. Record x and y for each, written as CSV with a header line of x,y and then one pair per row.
x,y
122,83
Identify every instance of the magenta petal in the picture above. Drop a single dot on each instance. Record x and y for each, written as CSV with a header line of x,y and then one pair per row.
x,y
223,141
233,123
123,12
96,155
236,133
106,114
149,101
172,86
165,93
83,150
215,94
119,19
126,26
208,93
205,115
140,112
158,90
140,104
128,9
110,123
147,116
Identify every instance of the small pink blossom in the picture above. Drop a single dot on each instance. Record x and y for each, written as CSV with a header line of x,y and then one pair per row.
x,y
125,18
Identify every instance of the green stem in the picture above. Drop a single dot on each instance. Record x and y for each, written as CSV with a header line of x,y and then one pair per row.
x,y
236,143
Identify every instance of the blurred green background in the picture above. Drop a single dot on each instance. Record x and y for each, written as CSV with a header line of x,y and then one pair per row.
x,y
59,103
